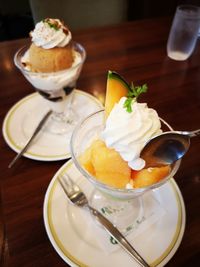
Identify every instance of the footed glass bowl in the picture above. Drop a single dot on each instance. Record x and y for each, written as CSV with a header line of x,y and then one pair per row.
x,y
84,134
56,88
122,206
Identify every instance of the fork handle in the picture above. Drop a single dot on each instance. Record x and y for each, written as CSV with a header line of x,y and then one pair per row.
x,y
116,234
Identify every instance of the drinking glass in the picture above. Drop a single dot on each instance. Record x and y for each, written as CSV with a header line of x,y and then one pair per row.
x,y
184,32
123,207
56,88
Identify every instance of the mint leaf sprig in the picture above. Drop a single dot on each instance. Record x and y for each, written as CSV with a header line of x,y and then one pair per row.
x,y
133,93
52,24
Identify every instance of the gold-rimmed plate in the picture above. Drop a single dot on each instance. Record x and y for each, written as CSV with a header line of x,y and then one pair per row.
x,y
73,234
24,116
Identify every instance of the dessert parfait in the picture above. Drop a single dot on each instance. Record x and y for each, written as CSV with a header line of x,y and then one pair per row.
x,y
106,149
113,157
52,64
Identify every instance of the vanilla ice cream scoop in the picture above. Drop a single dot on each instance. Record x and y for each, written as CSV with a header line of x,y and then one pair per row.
x,y
127,132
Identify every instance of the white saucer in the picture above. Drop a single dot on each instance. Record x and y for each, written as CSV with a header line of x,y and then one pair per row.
x,y
24,116
74,234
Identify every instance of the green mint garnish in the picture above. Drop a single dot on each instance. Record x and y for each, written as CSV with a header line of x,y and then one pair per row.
x,y
127,104
55,25
133,93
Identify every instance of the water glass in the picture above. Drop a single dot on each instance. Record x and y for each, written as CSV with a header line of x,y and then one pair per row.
x,y
184,32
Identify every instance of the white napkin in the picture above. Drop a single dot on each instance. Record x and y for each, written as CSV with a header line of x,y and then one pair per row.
x,y
152,212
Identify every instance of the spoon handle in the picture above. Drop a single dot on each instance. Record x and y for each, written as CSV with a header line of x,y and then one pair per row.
x,y
38,128
194,133
116,234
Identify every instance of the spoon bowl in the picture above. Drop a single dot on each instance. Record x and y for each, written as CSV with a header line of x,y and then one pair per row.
x,y
167,148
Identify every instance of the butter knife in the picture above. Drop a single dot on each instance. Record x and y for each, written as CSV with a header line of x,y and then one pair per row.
x,y
37,130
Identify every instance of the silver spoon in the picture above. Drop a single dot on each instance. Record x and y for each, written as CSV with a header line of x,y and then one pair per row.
x,y
166,148
37,130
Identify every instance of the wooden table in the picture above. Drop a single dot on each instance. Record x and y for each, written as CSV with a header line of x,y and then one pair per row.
x,y
137,50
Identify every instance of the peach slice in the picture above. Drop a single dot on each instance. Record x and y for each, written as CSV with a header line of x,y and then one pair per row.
x,y
149,176
106,165
85,160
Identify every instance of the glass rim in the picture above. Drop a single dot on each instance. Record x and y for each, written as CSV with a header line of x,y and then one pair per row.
x,y
183,9
110,188
24,48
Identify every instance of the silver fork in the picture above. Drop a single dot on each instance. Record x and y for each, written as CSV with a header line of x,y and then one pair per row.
x,y
78,198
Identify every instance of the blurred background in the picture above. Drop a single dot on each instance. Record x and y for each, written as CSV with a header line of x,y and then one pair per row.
x,y
17,18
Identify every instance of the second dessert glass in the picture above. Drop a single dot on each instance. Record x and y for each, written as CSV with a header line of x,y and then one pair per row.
x,y
123,207
56,88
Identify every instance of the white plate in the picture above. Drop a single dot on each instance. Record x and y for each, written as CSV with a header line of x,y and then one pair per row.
x,y
24,116
73,234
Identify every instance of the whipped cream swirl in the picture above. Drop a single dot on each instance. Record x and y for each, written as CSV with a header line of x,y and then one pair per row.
x,y
50,33
127,132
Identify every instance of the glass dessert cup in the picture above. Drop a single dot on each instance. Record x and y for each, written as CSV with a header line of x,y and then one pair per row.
x,y
56,88
123,207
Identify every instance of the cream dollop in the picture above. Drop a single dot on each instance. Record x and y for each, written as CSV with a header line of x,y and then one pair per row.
x,y
50,33
128,132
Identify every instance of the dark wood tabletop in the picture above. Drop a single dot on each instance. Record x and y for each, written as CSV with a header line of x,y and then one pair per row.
x,y
137,50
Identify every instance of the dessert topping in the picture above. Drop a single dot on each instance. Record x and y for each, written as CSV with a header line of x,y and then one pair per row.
x,y
133,93
50,33
127,132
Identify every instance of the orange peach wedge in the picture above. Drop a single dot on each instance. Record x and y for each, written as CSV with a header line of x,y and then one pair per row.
x,y
149,176
106,165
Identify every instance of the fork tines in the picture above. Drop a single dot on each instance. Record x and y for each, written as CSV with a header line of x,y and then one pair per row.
x,y
67,184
